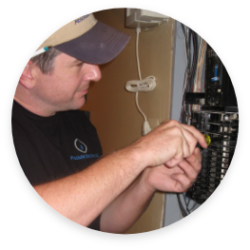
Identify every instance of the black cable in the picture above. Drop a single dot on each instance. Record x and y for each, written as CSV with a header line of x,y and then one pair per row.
x,y
190,210
197,54
186,204
191,67
188,86
183,210
186,32
194,61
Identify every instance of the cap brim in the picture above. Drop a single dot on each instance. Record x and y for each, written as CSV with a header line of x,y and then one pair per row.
x,y
99,45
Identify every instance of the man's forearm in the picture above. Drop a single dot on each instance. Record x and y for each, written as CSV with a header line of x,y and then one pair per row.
x,y
83,196
123,212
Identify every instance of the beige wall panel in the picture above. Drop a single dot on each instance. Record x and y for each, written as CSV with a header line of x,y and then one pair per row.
x,y
112,108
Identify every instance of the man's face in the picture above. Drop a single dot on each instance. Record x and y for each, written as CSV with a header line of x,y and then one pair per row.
x,y
66,86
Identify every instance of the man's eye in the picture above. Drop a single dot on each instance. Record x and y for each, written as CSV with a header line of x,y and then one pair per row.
x,y
80,64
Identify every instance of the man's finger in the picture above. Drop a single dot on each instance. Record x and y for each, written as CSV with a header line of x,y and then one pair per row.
x,y
197,134
192,169
182,182
197,154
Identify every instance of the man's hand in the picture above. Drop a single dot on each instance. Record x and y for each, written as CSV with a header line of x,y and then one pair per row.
x,y
128,207
118,183
168,144
178,178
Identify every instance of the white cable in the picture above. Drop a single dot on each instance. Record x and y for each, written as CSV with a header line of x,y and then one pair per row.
x,y
138,30
147,84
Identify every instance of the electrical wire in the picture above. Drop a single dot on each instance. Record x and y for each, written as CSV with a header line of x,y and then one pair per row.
x,y
138,30
190,210
190,44
181,199
194,60
145,85
187,115
202,53
186,33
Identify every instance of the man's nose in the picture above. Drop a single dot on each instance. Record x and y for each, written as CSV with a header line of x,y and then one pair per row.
x,y
93,73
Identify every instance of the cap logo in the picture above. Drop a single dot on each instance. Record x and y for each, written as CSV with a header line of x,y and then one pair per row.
x,y
70,31
78,20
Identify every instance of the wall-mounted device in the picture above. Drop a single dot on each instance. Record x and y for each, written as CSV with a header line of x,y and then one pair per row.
x,y
143,18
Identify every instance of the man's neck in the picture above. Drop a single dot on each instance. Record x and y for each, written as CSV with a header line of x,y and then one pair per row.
x,y
34,108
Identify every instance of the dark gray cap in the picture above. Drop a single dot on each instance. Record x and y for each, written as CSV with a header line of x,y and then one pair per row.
x,y
98,45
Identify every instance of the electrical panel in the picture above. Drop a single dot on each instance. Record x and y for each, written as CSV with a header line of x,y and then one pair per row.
x,y
217,157
217,117
219,88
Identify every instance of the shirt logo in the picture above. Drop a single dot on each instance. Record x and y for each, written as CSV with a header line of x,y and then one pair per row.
x,y
80,146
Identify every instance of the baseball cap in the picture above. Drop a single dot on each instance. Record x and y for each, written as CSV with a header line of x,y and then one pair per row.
x,y
88,40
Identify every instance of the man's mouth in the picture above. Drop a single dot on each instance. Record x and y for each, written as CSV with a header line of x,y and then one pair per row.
x,y
83,91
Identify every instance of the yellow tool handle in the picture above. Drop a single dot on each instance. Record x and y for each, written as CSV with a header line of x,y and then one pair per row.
x,y
208,139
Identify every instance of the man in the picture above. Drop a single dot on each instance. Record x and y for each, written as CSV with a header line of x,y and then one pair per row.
x,y
109,193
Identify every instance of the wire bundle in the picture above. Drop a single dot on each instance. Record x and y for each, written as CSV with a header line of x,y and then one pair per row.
x,y
145,85
191,45
192,81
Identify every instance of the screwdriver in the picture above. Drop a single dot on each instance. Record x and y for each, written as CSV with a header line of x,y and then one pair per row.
x,y
209,140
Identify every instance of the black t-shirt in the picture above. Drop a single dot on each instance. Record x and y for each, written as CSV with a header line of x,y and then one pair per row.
x,y
50,148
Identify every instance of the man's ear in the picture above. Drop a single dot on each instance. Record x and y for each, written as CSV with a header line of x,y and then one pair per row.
x,y
27,79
